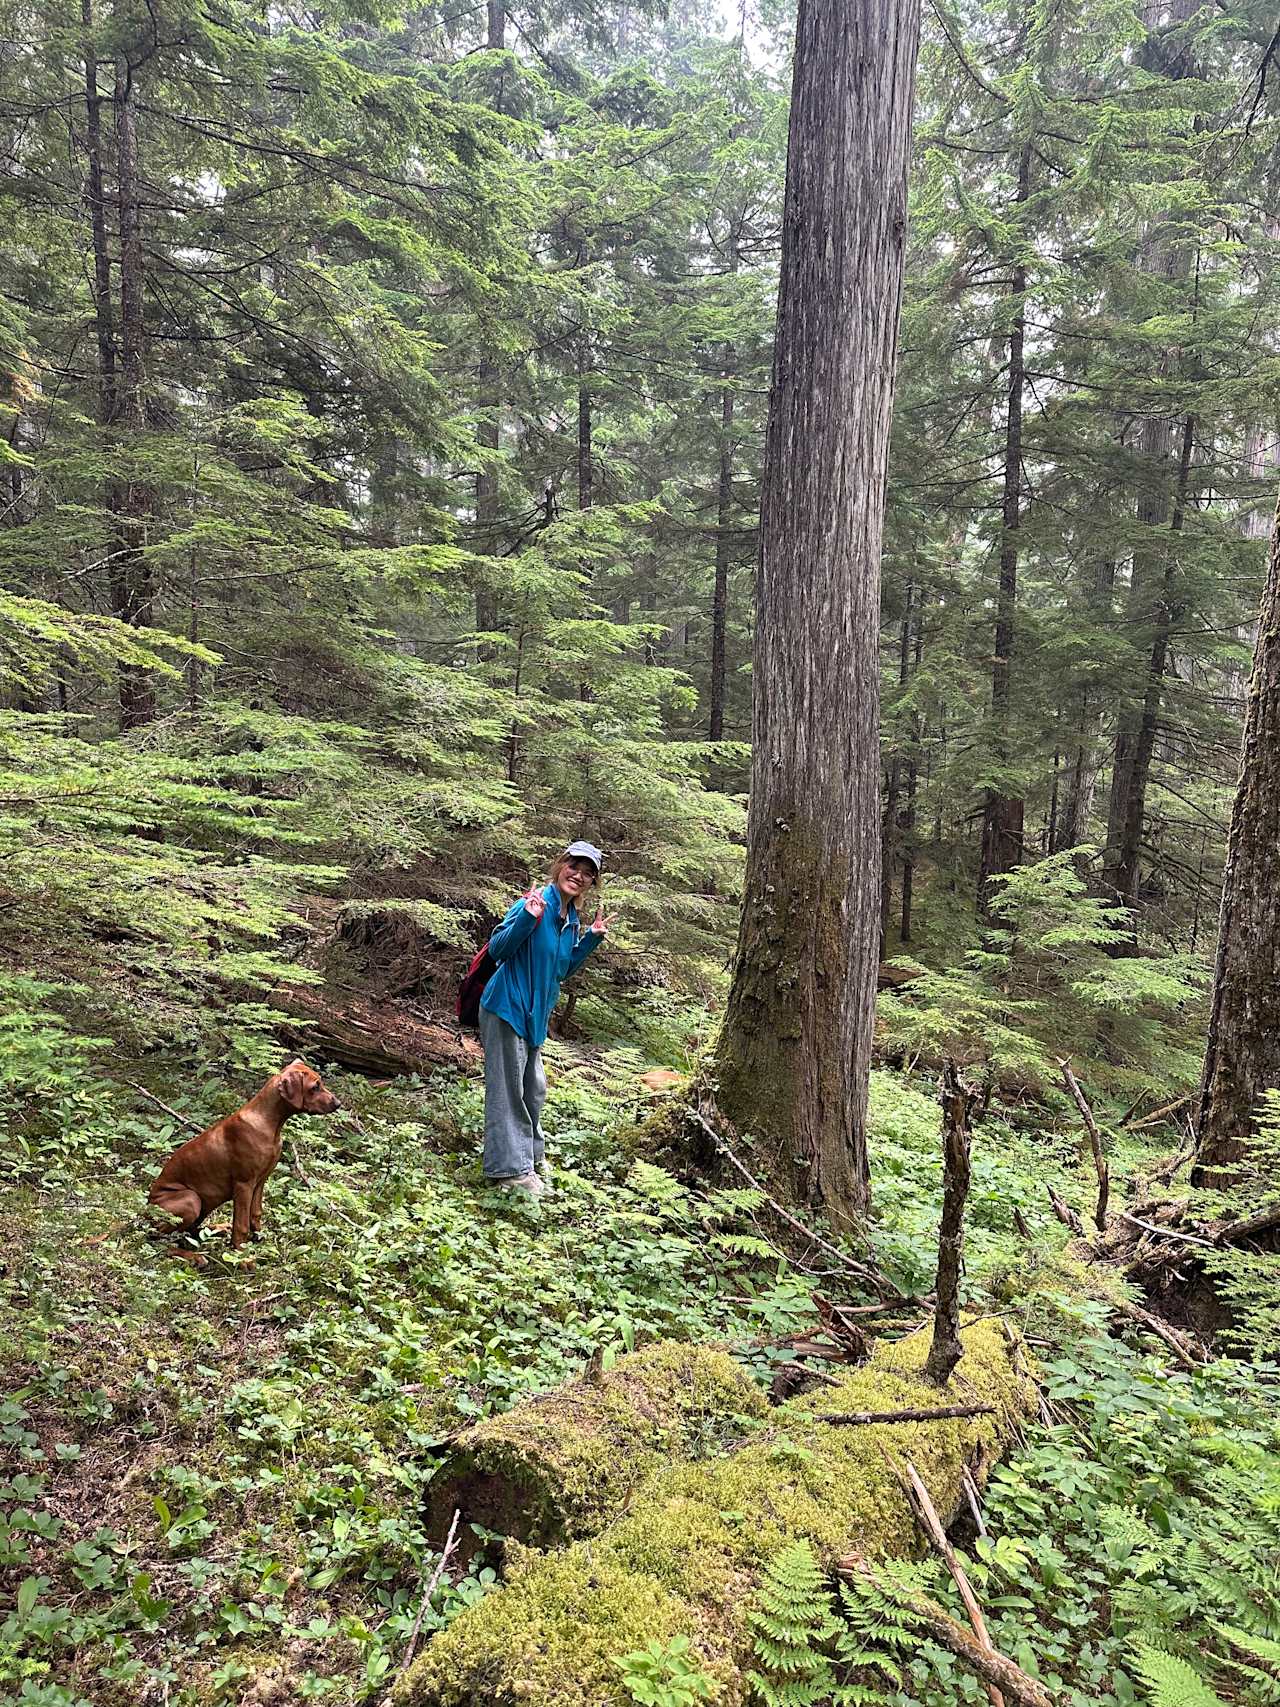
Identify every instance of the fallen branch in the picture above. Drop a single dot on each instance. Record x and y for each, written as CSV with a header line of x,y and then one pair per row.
x,y
1159,1114
1095,1143
1165,1232
1249,1226
1174,1340
450,1544
878,1282
181,1119
938,1415
975,1505
992,1667
927,1513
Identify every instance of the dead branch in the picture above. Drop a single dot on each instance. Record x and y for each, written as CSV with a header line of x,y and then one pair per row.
x,y
1176,1342
945,1349
1010,1679
1159,1114
927,1513
879,1283
181,1119
1095,1143
1165,1232
1065,1213
908,1416
449,1545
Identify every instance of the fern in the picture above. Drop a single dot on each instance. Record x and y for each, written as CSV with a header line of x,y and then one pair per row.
x,y
1173,1682
792,1623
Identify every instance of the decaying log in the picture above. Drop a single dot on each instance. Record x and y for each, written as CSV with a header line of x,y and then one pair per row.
x,y
1249,1226
928,1516
380,1041
562,1466
691,1550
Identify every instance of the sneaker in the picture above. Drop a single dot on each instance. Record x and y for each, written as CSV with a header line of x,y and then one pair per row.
x,y
521,1182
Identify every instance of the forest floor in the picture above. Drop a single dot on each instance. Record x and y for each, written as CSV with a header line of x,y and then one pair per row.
x,y
212,1480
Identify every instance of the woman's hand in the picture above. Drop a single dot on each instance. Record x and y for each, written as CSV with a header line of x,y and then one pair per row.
x,y
535,902
599,926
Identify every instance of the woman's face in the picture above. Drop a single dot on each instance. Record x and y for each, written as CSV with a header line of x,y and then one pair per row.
x,y
575,878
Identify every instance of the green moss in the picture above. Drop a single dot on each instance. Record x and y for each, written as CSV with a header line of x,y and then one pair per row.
x,y
563,1466
693,1546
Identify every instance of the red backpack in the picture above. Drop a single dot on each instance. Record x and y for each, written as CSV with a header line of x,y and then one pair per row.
x,y
481,969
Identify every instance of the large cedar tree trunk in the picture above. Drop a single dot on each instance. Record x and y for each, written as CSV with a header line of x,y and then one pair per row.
x,y
794,1055
1243,1055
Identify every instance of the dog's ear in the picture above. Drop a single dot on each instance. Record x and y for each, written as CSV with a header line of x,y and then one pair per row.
x,y
292,1084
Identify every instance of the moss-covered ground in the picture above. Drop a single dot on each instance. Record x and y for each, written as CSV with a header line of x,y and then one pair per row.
x,y
213,1480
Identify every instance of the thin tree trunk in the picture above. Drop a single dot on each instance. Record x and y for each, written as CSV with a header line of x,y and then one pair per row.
x,y
893,784
132,591
793,1059
720,598
585,472
913,775
1129,810
1002,813
1242,1058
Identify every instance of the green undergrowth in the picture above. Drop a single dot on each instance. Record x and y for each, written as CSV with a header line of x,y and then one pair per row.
x,y
213,1481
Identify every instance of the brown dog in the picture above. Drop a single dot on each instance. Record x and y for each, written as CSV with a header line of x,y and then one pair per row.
x,y
231,1160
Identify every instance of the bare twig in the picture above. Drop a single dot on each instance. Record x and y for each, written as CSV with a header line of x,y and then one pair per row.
x,y
906,1416
1095,1143
878,1282
449,1545
182,1119
1164,1176
928,1515
975,1505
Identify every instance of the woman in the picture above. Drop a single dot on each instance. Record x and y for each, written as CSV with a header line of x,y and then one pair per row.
x,y
536,946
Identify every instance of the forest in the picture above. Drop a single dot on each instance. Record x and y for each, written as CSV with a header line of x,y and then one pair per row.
x,y
827,459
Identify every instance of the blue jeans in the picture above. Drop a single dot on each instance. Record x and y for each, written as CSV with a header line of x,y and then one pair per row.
x,y
515,1088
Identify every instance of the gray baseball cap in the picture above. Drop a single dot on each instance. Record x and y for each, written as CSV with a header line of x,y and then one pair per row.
x,y
585,850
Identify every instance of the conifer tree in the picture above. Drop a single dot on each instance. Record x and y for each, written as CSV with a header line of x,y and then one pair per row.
x,y
794,1055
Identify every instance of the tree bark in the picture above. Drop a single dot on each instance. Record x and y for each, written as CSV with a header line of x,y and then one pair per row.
x,y
893,785
720,597
1135,745
945,1346
794,1055
130,579
1242,1058
1002,812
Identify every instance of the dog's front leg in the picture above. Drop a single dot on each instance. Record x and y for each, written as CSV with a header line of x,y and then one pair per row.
x,y
242,1206
255,1210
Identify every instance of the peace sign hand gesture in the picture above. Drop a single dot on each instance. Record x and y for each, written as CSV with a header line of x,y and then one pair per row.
x,y
535,902
600,924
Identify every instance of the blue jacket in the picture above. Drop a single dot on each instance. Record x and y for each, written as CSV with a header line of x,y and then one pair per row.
x,y
534,956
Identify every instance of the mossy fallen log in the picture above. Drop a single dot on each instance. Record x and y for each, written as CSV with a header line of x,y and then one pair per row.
x,y
562,1466
689,1553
